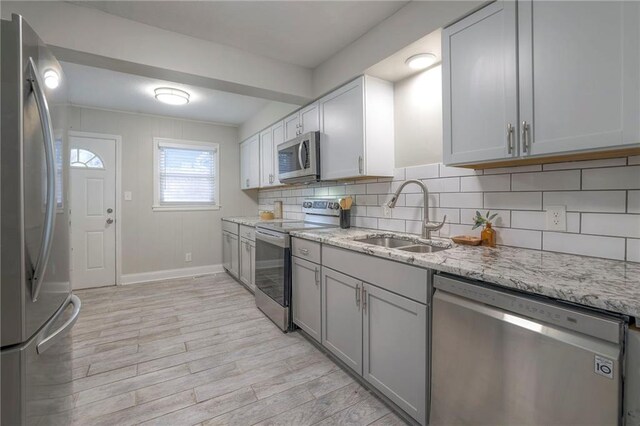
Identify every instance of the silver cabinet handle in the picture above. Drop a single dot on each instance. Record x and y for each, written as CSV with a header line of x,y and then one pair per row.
x,y
360,171
303,251
48,341
317,272
47,130
302,164
525,136
109,221
358,294
509,138
364,299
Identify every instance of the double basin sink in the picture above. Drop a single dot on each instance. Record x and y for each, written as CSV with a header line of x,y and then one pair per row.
x,y
401,244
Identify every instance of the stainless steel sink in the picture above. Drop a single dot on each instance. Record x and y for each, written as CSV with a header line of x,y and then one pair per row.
x,y
388,242
422,248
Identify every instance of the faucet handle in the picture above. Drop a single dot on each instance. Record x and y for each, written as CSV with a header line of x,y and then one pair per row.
x,y
437,227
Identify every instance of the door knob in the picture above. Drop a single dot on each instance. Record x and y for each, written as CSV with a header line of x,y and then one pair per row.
x,y
109,221
109,210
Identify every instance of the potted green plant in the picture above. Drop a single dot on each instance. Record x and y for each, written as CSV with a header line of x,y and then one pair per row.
x,y
488,234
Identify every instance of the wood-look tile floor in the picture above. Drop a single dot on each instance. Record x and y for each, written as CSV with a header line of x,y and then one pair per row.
x,y
198,351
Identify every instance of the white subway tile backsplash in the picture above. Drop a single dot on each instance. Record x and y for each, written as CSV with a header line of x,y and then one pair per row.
x,y
485,183
422,172
446,171
607,162
586,245
587,201
391,225
513,200
458,199
603,217
546,181
519,238
612,178
518,169
633,202
615,225
633,250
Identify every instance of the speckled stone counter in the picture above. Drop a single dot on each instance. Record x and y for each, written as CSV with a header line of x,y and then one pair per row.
x,y
606,284
254,220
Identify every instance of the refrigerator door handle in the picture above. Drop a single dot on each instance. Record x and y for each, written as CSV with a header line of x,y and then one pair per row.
x,y
47,130
52,338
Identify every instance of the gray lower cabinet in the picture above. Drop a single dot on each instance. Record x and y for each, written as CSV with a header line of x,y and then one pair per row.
x,y
342,317
395,348
306,296
247,268
230,260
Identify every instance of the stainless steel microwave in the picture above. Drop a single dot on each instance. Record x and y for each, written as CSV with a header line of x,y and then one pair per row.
x,y
299,159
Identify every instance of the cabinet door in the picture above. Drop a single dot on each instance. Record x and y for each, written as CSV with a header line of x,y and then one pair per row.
x,y
266,158
579,68
244,164
310,118
291,126
247,263
226,251
277,132
234,262
342,140
342,317
395,348
479,82
306,296
250,163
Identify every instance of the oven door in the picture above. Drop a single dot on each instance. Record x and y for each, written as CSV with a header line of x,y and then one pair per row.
x,y
298,159
273,266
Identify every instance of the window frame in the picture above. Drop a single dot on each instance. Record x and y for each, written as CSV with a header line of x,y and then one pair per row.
x,y
184,144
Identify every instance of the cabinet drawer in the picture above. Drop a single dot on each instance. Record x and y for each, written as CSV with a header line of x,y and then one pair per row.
x,y
305,249
404,280
230,227
248,232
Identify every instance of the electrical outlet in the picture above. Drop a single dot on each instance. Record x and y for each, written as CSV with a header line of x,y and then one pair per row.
x,y
187,257
557,218
128,196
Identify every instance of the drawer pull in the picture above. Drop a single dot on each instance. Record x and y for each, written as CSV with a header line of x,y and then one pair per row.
x,y
317,271
304,251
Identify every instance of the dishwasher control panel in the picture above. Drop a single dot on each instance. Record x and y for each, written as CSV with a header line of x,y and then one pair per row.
x,y
596,325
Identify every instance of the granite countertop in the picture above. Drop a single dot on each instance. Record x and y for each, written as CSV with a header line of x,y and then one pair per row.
x,y
254,220
606,284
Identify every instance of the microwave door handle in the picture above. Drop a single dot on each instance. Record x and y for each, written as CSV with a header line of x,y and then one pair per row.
x,y
47,130
300,155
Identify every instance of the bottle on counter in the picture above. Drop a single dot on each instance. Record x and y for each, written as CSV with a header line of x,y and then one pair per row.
x,y
488,235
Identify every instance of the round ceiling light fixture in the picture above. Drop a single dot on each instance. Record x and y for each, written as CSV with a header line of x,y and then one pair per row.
x,y
172,96
421,61
51,79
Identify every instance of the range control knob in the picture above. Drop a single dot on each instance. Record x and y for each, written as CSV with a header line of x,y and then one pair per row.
x,y
336,206
306,204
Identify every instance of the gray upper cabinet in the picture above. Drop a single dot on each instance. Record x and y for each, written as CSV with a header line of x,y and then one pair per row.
x,y
342,318
541,78
250,163
395,331
579,75
306,296
310,118
480,86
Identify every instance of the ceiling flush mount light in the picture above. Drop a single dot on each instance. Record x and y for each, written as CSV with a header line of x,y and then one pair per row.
x,y
421,61
172,96
51,79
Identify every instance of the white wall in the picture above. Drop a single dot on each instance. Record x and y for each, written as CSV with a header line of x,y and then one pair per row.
x,y
414,21
272,112
153,241
418,118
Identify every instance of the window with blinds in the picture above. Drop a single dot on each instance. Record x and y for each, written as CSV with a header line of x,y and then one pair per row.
x,y
186,174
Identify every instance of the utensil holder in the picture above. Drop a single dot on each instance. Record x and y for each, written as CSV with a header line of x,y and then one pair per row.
x,y
345,219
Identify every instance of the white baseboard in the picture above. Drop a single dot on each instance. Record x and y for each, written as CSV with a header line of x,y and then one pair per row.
x,y
167,274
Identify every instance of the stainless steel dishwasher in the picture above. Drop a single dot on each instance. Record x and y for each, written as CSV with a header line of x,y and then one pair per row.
x,y
500,358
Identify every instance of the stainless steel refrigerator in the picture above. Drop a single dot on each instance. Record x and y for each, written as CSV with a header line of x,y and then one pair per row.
x,y
37,307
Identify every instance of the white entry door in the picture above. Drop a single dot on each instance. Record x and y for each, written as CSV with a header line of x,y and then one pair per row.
x,y
93,204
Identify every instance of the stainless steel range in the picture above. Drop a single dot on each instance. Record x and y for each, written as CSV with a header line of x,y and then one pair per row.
x,y
273,257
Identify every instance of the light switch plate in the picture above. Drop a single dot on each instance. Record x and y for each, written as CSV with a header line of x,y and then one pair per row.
x,y
557,218
127,196
187,257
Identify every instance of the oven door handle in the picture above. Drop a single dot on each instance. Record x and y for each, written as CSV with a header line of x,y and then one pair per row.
x,y
280,241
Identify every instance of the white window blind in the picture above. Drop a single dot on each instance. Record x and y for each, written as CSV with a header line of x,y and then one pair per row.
x,y
187,174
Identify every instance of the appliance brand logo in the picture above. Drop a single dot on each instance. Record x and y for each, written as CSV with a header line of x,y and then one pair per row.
x,y
604,366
